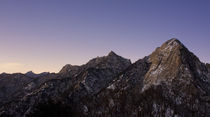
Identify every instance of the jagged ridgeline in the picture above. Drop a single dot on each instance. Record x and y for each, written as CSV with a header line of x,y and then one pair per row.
x,y
171,82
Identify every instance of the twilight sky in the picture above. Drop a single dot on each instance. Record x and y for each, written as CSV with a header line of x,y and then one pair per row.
x,y
44,35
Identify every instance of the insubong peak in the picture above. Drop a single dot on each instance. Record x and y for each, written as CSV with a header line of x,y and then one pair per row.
x,y
168,61
169,82
173,40
171,46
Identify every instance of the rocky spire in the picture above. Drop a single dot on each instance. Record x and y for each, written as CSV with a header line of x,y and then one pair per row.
x,y
166,63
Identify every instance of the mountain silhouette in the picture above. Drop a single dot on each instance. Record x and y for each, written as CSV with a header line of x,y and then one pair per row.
x,y
170,82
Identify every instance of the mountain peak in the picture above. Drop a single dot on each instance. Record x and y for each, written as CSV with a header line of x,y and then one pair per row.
x,y
173,40
166,62
112,54
171,45
69,69
170,82
30,73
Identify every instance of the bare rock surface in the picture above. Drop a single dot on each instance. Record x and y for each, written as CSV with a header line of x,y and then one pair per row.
x,y
171,82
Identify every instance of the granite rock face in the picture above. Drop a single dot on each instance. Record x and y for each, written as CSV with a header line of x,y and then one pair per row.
x,y
171,82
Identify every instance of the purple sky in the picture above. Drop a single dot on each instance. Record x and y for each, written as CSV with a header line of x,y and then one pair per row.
x,y
44,35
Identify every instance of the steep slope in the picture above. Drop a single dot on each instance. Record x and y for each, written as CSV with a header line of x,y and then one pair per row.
x,y
170,82
70,70
66,92
171,59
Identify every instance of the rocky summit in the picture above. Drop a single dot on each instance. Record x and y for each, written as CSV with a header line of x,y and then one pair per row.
x,y
170,82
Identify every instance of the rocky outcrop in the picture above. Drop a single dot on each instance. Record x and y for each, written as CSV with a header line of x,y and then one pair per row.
x,y
171,82
94,76
70,70
171,60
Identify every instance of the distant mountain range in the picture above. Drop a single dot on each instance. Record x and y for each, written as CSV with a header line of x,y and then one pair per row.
x,y
170,82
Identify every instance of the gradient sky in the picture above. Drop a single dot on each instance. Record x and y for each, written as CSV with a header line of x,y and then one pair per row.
x,y
44,35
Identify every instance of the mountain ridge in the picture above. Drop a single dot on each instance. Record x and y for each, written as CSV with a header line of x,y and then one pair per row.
x,y
170,82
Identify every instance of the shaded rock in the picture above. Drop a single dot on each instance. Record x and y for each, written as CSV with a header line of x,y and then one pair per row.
x,y
70,70
94,76
171,82
15,86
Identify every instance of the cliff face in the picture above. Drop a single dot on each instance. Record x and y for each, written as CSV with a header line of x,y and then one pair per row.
x,y
170,82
